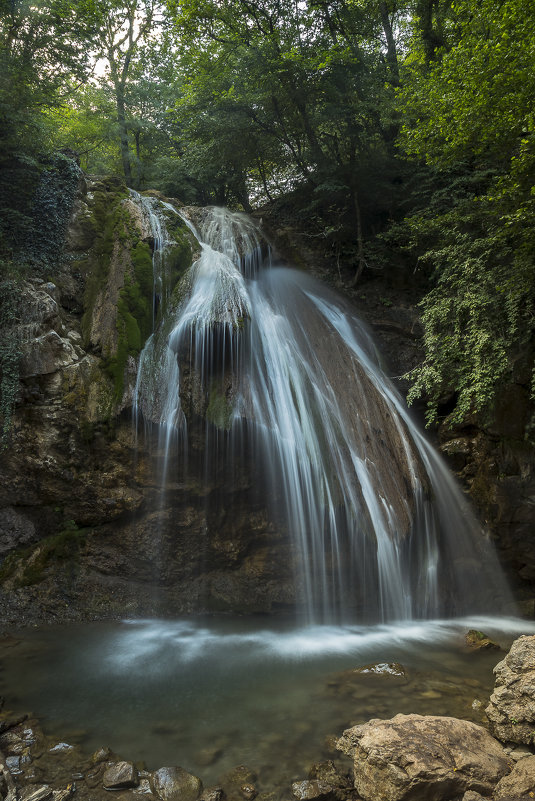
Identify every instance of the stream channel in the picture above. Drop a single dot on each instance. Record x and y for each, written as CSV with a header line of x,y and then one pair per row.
x,y
211,694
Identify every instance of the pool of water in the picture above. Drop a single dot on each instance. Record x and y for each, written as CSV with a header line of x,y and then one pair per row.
x,y
212,694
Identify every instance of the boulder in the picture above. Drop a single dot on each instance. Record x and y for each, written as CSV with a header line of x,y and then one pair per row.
x,y
520,782
176,784
477,641
120,776
511,711
423,758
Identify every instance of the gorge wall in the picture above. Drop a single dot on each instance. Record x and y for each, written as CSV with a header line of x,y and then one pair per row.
x,y
83,530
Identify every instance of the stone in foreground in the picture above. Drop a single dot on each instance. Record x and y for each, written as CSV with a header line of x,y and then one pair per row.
x,y
423,758
520,782
120,776
176,784
511,710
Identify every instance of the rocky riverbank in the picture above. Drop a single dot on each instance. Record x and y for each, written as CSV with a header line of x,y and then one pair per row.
x,y
409,757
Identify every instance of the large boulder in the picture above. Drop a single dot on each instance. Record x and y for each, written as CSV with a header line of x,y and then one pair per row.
x,y
511,710
423,758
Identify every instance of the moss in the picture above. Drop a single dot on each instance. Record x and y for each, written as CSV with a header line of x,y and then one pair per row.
x,y
134,315
219,411
27,566
107,219
179,256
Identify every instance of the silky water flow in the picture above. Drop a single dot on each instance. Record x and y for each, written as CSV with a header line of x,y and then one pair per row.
x,y
278,363
257,366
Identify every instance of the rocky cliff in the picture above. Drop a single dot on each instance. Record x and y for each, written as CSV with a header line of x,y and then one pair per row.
x,y
83,531
86,527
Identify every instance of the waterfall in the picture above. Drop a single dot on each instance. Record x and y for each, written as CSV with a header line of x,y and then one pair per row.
x,y
276,364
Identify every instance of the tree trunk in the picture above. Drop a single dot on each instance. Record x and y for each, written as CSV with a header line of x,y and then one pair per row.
x,y
360,243
391,50
123,135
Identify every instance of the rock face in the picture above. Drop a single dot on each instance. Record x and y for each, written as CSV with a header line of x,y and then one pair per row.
x,y
511,710
423,758
83,529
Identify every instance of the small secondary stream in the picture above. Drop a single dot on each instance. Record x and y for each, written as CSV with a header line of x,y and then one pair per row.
x,y
212,694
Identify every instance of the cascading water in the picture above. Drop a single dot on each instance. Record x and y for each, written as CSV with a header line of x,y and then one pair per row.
x,y
277,364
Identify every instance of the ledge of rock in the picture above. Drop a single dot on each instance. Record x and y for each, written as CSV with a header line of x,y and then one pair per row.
x,y
511,710
423,758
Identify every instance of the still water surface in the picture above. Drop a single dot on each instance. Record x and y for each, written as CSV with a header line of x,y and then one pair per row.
x,y
212,694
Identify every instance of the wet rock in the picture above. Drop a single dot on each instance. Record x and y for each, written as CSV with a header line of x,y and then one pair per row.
x,y
312,789
120,776
328,772
143,787
40,794
212,794
423,757
470,795
13,764
248,791
477,641
511,711
521,780
239,775
176,784
62,795
382,669
61,748
101,755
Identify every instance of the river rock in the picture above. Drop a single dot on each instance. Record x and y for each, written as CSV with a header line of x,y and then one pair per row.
x,y
212,794
176,784
312,789
520,782
120,776
36,793
477,641
382,669
511,711
423,758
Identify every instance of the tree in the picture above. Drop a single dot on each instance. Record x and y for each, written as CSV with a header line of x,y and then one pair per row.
x,y
124,26
45,50
470,114
306,83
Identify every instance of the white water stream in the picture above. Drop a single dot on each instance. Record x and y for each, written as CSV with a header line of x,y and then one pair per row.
x,y
377,521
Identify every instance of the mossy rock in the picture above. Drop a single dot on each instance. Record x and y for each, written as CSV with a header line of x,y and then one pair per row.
x,y
26,567
219,411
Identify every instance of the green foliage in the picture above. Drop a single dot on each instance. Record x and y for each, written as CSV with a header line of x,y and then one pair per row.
x,y
475,234
50,213
10,348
